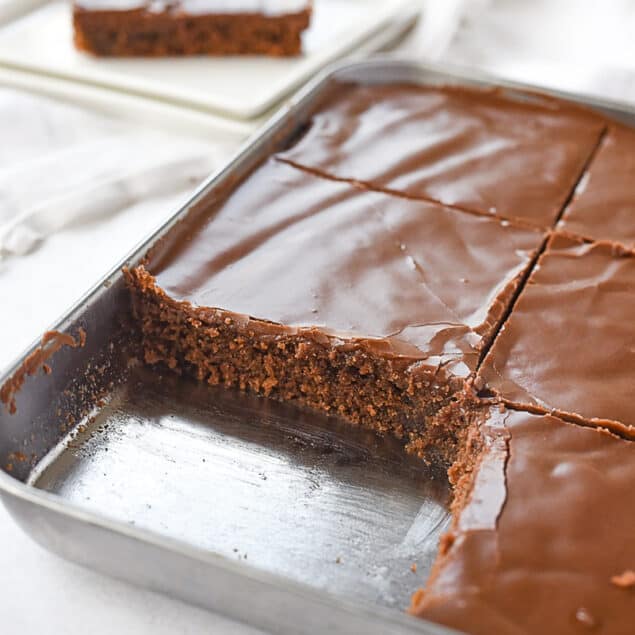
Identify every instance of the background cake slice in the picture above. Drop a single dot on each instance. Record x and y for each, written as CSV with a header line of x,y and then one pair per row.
x,y
604,205
190,27
569,344
364,305
505,154
544,543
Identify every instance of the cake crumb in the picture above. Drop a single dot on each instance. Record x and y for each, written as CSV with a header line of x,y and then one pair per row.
x,y
624,580
52,341
415,599
446,542
413,567
338,560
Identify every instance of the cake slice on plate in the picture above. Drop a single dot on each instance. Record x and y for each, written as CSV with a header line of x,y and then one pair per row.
x,y
190,27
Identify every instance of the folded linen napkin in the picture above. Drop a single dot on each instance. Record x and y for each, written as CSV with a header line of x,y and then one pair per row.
x,y
60,166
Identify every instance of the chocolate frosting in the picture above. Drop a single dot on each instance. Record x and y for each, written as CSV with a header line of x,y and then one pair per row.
x,y
548,561
291,250
569,345
516,156
604,204
199,7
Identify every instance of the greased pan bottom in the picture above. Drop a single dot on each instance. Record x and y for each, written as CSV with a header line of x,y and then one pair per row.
x,y
255,481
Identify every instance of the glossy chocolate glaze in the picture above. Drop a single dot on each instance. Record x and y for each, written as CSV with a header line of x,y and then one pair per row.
x,y
544,544
515,157
290,250
604,204
569,345
544,562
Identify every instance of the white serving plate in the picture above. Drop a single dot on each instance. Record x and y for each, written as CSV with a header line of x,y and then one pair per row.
x,y
121,105
238,87
11,9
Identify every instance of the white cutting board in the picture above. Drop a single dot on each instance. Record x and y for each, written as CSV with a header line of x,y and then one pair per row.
x,y
237,87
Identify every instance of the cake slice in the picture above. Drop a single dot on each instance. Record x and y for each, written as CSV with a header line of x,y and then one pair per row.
x,y
367,306
604,205
569,344
190,27
493,152
543,540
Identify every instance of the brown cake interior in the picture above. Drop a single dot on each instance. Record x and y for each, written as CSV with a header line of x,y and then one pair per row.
x,y
385,393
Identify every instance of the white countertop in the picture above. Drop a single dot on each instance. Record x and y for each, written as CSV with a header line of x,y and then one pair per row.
x,y
55,242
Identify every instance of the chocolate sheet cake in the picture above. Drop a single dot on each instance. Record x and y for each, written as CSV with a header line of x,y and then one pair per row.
x,y
604,205
354,302
486,151
545,541
403,266
569,345
190,27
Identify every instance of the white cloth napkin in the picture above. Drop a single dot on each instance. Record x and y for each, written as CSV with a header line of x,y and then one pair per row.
x,y
61,166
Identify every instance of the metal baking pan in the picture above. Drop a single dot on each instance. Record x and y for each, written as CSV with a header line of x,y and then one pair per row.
x,y
255,509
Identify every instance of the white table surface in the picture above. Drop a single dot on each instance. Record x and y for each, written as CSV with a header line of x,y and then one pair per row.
x,y
55,242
